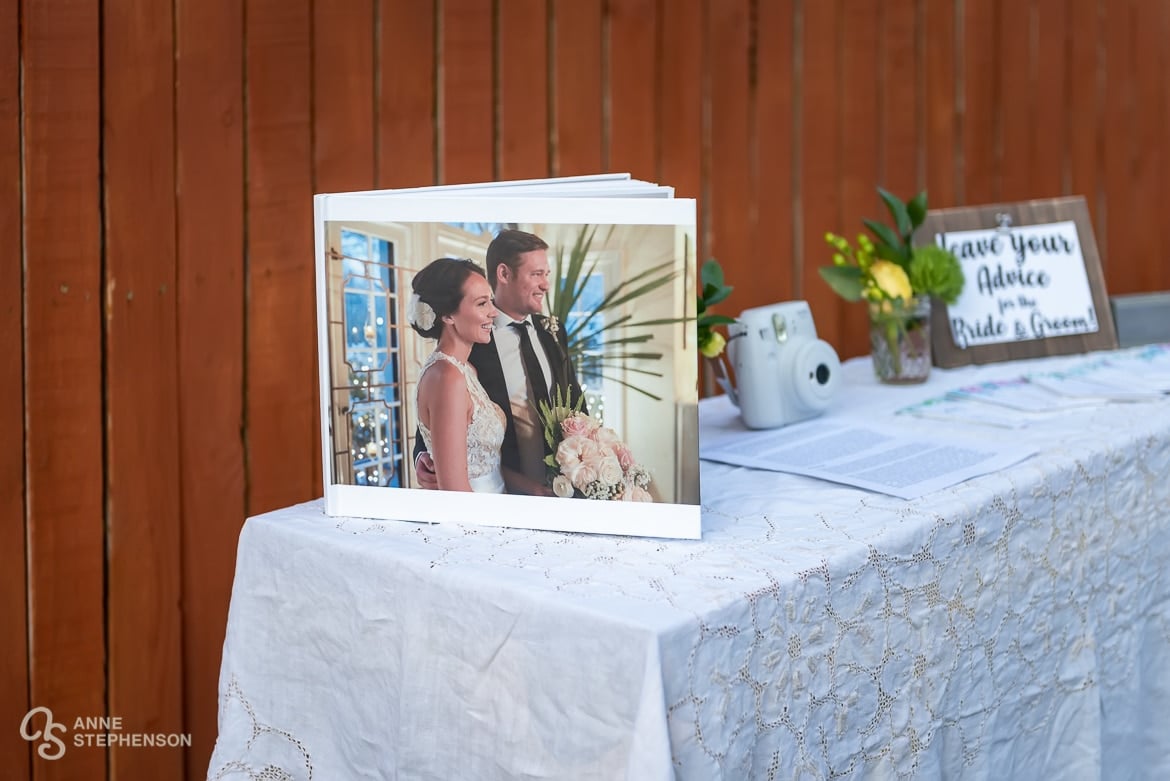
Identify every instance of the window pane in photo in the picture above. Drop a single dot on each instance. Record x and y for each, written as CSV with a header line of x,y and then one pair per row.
x,y
355,245
369,315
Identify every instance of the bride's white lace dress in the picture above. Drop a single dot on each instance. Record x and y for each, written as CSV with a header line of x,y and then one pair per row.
x,y
485,435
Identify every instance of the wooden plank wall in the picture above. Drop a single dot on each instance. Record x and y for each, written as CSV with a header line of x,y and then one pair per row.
x,y
157,161
14,668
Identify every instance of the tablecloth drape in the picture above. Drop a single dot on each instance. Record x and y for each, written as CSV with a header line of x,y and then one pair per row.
x,y
1014,626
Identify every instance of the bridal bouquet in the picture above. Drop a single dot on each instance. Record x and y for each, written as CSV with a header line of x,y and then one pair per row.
x,y
589,460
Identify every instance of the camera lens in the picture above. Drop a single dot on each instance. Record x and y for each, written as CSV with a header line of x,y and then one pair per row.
x,y
809,373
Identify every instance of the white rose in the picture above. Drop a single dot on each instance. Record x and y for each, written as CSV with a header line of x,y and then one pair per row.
x,y
569,452
580,474
609,471
562,487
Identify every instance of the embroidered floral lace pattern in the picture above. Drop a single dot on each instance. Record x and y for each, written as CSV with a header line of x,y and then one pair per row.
x,y
264,753
486,433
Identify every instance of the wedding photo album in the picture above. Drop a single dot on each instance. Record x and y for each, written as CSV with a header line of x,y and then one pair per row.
x,y
511,354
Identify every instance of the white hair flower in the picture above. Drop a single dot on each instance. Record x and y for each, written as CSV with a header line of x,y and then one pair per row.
x,y
419,313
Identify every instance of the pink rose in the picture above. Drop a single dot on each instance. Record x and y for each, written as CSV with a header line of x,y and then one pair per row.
x,y
638,494
576,424
606,437
632,492
624,456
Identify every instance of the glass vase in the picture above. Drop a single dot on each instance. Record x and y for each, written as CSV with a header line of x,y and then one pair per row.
x,y
899,336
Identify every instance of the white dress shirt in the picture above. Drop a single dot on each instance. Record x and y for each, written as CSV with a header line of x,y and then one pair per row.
x,y
529,430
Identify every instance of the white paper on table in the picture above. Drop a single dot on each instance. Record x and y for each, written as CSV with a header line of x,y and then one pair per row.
x,y
1151,366
876,458
1020,394
1145,378
963,411
1098,383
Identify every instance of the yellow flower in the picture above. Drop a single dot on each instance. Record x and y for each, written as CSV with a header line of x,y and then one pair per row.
x,y
891,279
713,346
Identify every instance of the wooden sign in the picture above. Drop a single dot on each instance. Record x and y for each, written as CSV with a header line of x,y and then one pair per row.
x,y
1034,284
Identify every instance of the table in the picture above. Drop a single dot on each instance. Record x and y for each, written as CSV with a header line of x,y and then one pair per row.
x,y
1014,626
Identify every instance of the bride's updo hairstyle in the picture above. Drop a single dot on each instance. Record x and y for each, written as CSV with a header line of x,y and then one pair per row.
x,y
439,289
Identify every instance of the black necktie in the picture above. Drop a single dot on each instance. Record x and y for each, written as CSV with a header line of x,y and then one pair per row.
x,y
536,381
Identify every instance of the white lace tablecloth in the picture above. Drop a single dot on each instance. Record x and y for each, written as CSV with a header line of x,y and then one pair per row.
x,y
1014,626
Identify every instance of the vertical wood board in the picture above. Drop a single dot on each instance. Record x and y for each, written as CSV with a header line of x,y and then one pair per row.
x,y
63,387
522,53
283,433
14,701
466,92
210,219
405,76
577,104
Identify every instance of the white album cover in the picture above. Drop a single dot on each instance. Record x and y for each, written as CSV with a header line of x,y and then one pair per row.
x,y
511,354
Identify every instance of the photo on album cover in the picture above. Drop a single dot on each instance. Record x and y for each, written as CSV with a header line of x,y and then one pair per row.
x,y
525,362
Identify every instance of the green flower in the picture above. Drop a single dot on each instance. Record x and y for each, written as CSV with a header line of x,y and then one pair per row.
x,y
936,272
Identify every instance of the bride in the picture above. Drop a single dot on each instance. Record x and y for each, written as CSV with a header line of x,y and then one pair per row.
x,y
461,427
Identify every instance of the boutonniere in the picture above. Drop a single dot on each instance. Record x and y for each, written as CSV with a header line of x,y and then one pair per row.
x,y
551,324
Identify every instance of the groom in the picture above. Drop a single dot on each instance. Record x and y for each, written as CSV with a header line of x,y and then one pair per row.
x,y
526,360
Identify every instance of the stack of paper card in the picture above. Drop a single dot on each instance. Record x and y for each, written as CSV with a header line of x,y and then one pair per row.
x,y
1019,394
1137,375
960,411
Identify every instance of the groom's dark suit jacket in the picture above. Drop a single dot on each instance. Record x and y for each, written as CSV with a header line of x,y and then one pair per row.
x,y
486,360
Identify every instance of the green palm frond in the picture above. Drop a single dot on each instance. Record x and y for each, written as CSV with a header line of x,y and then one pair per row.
x,y
599,339
601,367
631,386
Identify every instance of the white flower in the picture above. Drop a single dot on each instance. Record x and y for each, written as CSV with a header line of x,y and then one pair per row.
x,y
552,325
638,474
609,471
581,474
562,487
419,313
573,449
